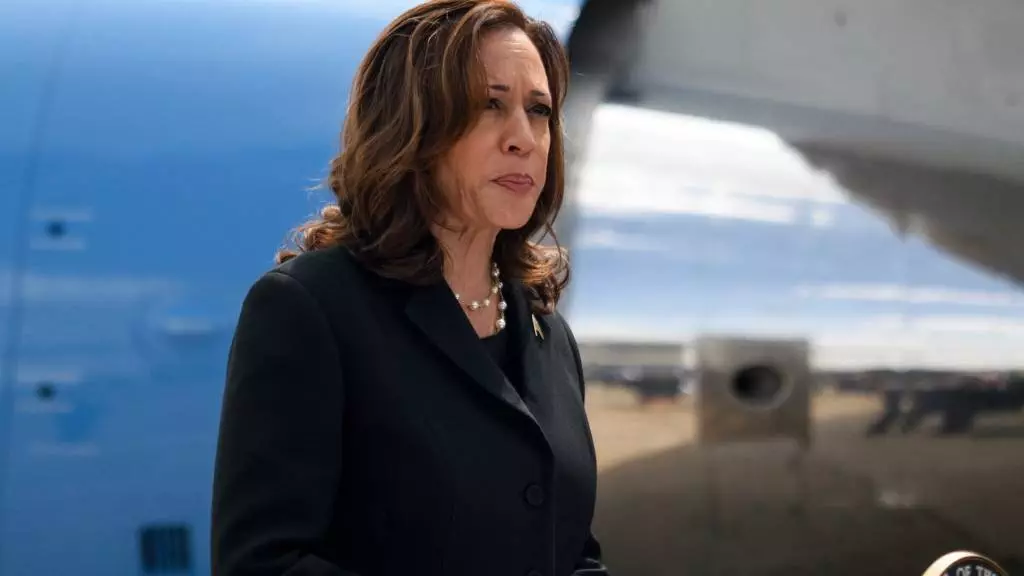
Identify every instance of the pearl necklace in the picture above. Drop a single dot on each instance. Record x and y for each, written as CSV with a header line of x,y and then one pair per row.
x,y
496,286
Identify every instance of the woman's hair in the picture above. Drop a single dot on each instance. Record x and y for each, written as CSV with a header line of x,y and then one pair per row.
x,y
417,91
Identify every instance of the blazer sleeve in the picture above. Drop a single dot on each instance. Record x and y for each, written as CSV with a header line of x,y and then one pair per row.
x,y
590,562
278,456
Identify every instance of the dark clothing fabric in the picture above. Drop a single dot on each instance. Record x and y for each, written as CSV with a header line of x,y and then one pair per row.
x,y
366,431
499,347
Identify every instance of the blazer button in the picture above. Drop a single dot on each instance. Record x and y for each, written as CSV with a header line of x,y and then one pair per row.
x,y
534,497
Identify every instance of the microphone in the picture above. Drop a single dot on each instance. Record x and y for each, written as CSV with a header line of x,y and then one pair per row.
x,y
964,563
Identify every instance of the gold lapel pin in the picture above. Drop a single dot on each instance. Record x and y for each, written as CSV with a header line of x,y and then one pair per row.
x,y
536,327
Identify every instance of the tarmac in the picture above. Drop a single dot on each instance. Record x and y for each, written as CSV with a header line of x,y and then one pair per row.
x,y
851,505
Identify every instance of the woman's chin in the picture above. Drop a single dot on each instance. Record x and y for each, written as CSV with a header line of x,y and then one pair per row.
x,y
512,221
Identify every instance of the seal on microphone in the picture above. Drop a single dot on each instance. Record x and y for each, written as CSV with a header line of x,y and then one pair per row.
x,y
964,563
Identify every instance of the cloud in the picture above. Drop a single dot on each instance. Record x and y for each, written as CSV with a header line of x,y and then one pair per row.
x,y
614,240
822,217
606,191
694,152
649,162
960,342
909,294
661,245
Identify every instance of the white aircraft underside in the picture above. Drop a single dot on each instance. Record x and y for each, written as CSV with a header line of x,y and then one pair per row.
x,y
916,107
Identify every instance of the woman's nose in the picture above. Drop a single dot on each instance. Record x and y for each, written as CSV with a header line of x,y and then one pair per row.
x,y
519,138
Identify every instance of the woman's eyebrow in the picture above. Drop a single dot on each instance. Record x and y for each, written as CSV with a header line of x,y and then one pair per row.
x,y
506,88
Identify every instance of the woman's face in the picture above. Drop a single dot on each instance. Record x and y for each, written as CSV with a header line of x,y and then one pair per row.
x,y
494,174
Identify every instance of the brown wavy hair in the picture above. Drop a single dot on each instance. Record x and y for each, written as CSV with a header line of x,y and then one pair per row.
x,y
419,89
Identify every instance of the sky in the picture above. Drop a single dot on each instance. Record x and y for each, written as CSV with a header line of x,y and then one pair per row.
x,y
692,226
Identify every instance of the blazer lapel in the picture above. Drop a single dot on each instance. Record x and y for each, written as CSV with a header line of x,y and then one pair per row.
x,y
434,310
532,332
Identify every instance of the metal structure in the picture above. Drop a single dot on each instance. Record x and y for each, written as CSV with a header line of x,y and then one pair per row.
x,y
916,108
752,389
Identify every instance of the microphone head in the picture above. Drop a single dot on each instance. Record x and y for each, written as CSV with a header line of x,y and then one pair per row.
x,y
964,563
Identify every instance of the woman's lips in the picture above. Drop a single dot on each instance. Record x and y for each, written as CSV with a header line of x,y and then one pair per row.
x,y
518,183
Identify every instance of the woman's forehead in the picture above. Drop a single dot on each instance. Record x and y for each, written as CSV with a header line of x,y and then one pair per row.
x,y
510,59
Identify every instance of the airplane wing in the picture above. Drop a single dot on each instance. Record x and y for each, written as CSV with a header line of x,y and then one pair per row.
x,y
916,108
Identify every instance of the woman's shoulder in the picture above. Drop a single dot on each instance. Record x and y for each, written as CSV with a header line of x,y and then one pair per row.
x,y
330,275
555,324
557,330
317,267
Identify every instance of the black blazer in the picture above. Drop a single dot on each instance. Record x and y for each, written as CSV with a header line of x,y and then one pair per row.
x,y
366,431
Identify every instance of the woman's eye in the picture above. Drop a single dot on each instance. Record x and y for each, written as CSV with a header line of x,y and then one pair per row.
x,y
542,110
494,104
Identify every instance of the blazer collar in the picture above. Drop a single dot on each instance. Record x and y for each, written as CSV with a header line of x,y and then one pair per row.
x,y
531,332
434,310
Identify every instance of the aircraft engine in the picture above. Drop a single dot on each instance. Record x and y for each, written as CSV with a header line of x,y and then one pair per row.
x,y
752,389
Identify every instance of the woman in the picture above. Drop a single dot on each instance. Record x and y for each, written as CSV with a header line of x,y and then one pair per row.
x,y
402,397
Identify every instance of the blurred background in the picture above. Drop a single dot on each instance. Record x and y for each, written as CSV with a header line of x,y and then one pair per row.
x,y
795,233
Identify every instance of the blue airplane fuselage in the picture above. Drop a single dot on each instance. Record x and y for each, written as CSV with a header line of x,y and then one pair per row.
x,y
153,156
